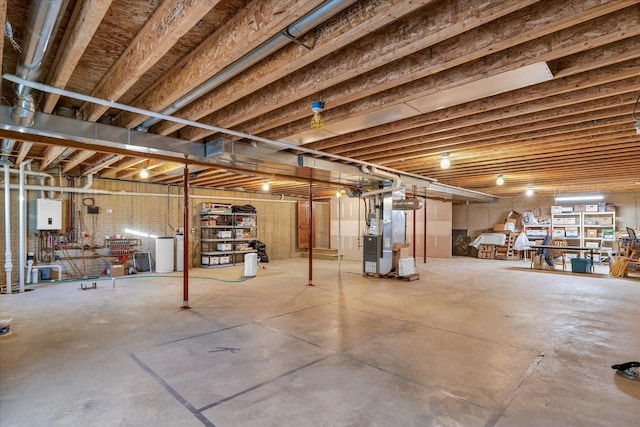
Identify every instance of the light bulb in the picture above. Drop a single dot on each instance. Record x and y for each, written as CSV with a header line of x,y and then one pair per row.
x,y
445,162
529,192
338,194
265,186
500,180
144,174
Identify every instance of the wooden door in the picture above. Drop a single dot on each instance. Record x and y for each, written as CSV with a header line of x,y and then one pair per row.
x,y
305,222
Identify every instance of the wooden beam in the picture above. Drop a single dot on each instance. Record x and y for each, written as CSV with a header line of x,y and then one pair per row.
x,y
77,159
615,94
411,127
354,23
245,31
113,170
601,31
50,154
84,22
405,37
24,151
171,20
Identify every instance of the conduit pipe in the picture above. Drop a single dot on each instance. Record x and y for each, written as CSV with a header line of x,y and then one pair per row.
x,y
295,30
8,265
125,193
278,144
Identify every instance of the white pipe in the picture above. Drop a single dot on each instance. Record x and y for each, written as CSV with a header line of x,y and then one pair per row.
x,y
112,104
125,193
41,175
22,201
8,265
89,181
397,183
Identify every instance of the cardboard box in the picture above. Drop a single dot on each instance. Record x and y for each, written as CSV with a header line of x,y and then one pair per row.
x,y
556,209
224,234
402,249
558,232
214,260
591,232
567,209
571,232
224,246
591,208
499,227
116,270
224,259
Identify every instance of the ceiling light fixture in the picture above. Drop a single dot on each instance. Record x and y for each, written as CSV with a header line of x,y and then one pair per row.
x,y
144,173
585,197
445,163
529,191
500,180
265,186
317,122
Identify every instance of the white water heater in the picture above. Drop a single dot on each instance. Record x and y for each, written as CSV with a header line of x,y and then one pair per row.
x,y
48,214
164,254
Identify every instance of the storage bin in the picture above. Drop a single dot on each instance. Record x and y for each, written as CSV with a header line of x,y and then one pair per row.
x,y
224,234
580,265
224,247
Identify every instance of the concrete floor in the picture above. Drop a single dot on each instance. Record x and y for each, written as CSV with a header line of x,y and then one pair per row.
x,y
473,343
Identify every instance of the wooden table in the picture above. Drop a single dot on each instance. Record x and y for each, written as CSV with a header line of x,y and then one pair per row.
x,y
569,249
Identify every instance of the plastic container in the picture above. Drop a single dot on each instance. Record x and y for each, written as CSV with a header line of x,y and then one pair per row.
x,y
580,265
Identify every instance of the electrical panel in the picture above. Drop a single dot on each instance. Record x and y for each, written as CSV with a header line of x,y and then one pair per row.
x,y
49,214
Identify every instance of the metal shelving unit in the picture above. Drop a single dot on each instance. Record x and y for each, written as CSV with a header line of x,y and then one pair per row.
x,y
225,237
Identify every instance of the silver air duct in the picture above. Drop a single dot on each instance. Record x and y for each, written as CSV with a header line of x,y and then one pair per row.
x,y
44,16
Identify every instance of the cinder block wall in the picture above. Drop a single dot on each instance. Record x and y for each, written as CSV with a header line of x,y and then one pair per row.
x,y
152,209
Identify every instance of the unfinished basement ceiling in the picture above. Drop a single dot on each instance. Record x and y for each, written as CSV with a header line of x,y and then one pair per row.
x,y
541,92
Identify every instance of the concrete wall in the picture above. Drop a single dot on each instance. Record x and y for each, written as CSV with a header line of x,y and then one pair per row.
x,y
157,215
348,225
480,217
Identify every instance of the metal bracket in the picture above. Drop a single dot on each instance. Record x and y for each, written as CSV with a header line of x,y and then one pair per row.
x,y
288,35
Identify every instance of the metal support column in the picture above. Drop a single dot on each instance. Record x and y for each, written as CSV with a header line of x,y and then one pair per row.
x,y
311,231
424,244
185,274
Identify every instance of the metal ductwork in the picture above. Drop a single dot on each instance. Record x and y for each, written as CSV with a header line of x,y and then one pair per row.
x,y
44,17
5,151
292,32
